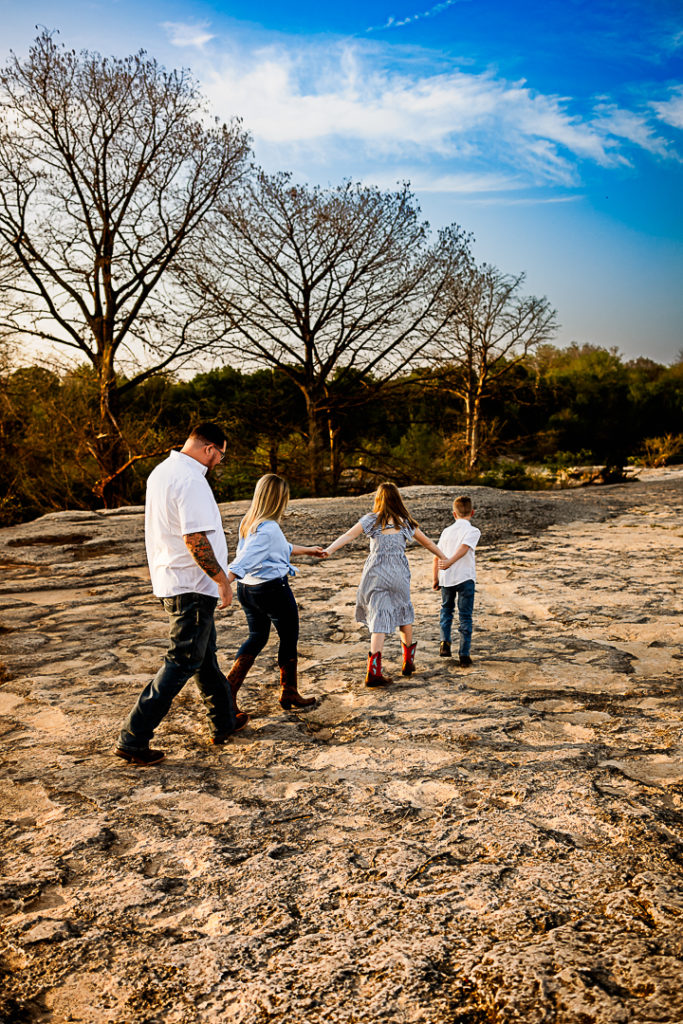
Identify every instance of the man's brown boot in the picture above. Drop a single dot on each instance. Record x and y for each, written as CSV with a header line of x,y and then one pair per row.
x,y
373,676
241,719
236,676
290,696
408,659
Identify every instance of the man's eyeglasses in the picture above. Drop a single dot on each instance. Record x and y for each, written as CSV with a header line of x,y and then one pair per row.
x,y
221,454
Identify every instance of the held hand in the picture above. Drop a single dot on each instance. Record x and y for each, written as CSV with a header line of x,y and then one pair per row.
x,y
317,552
224,594
326,553
444,563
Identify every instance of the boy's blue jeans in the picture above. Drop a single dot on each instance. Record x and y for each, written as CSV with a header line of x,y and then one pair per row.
x,y
192,652
464,593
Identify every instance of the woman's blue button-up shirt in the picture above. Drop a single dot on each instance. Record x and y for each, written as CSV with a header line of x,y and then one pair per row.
x,y
265,553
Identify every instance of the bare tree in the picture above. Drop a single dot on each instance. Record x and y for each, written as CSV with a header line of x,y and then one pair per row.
x,y
328,285
490,329
107,169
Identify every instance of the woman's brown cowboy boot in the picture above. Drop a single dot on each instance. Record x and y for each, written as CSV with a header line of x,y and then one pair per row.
x,y
290,696
237,674
408,659
373,676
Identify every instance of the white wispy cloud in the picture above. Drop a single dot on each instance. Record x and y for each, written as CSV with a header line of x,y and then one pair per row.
x,y
317,106
630,125
671,111
523,201
456,183
181,33
674,40
393,22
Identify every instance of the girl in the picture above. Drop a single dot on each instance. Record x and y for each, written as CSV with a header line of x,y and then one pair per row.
x,y
262,567
383,601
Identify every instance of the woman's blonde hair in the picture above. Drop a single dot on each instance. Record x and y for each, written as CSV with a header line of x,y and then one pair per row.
x,y
271,496
389,507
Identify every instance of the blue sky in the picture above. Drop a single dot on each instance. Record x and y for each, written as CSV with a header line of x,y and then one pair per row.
x,y
553,131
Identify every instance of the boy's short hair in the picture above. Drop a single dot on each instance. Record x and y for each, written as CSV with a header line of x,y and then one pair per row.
x,y
463,506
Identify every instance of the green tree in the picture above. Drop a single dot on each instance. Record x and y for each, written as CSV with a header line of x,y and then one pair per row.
x,y
45,465
590,394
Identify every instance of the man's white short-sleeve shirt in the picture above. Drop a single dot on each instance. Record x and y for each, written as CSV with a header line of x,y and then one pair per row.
x,y
180,501
459,532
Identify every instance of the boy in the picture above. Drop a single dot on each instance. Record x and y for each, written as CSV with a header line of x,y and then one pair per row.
x,y
456,575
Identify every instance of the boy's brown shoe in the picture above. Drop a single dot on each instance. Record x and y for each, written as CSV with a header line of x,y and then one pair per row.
x,y
465,661
143,758
445,649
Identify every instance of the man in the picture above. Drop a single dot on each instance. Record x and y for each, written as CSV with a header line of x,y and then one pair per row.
x,y
188,559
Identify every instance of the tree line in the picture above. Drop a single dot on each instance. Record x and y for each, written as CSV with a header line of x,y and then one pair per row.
x,y
138,237
554,409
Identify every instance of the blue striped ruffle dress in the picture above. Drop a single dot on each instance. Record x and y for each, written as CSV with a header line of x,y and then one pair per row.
x,y
383,602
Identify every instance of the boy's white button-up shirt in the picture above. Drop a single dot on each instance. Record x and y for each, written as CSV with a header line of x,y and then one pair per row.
x,y
179,501
459,532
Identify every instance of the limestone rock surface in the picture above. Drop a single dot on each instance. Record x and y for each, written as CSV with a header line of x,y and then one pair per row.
x,y
500,844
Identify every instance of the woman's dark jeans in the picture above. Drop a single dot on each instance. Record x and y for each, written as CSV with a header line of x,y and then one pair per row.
x,y
264,603
192,652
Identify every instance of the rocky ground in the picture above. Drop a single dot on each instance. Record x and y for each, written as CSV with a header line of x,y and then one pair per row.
x,y
501,844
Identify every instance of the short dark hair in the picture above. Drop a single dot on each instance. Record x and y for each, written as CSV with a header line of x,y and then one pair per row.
x,y
209,433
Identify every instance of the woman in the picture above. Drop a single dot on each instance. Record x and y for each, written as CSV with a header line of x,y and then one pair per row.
x,y
262,568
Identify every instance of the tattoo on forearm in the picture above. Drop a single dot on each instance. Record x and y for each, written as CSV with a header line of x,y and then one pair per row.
x,y
200,548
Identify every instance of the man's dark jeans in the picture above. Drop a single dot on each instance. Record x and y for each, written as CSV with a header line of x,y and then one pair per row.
x,y
263,603
192,652
464,592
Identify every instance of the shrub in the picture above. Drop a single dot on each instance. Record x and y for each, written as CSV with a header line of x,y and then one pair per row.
x,y
659,451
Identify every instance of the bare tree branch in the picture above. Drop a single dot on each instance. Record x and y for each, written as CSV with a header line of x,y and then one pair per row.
x,y
323,284
107,171
489,328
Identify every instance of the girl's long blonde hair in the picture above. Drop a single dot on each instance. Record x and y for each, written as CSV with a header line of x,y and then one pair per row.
x,y
271,496
389,507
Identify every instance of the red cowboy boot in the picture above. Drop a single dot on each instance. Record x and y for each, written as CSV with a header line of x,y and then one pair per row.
x,y
408,659
374,675
290,696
